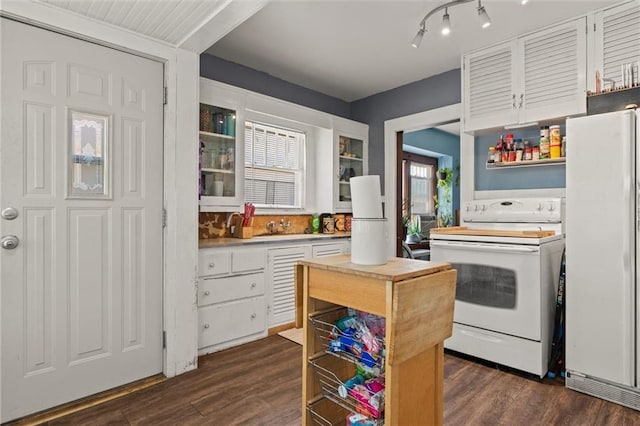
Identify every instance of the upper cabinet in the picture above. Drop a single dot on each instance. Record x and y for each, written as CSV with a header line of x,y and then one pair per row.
x,y
535,77
221,148
616,42
348,148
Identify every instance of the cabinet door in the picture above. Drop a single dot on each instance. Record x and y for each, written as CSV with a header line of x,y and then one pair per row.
x,y
489,92
617,41
280,276
221,148
553,67
352,161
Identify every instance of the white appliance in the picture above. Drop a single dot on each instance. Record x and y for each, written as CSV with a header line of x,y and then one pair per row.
x,y
506,285
602,297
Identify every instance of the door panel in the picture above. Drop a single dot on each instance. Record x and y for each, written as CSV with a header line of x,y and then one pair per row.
x,y
81,162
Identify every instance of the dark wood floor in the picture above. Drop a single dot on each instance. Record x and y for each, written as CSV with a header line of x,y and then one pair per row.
x,y
260,384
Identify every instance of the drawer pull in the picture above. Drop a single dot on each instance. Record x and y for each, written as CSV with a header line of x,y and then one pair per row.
x,y
206,293
253,316
212,265
253,285
206,326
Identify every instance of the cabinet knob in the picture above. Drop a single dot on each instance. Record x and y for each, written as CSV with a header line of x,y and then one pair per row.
x,y
206,326
253,285
206,293
253,316
211,265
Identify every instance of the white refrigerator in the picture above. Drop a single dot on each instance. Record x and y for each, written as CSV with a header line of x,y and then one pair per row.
x,y
602,294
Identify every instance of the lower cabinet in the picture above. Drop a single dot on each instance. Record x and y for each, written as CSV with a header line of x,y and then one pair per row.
x,y
281,276
232,306
247,290
228,321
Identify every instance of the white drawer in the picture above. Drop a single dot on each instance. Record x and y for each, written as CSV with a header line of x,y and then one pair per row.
x,y
330,249
232,320
248,260
216,290
213,262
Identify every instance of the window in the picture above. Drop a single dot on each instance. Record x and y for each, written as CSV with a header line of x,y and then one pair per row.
x,y
274,166
419,184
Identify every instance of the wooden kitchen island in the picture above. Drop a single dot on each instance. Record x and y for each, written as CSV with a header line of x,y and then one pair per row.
x,y
415,297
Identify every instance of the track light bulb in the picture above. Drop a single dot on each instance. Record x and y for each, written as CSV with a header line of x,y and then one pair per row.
x,y
484,16
418,38
523,2
446,23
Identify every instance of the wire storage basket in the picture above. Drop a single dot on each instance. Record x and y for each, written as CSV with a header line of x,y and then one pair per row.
x,y
340,334
326,413
340,384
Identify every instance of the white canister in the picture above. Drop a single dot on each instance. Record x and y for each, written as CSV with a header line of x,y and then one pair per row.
x,y
369,239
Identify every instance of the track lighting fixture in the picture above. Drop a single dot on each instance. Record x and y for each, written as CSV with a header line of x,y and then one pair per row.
x,y
523,2
418,38
446,21
484,17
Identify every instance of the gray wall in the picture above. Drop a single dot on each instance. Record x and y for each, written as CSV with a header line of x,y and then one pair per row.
x,y
423,95
443,143
238,75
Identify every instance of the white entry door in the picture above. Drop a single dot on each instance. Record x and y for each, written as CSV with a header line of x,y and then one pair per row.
x,y
81,171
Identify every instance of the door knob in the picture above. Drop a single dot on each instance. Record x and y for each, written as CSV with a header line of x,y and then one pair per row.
x,y
9,213
9,242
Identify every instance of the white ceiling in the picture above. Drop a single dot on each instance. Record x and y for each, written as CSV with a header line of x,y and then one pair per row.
x,y
351,49
348,49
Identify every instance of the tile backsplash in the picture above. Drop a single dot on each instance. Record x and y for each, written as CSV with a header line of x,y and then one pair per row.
x,y
214,225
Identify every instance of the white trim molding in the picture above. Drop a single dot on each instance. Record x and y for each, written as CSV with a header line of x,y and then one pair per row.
x,y
413,122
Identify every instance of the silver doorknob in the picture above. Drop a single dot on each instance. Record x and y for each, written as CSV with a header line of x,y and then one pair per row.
x,y
9,213
206,293
9,242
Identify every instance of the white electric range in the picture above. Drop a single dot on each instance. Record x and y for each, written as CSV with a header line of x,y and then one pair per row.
x,y
507,281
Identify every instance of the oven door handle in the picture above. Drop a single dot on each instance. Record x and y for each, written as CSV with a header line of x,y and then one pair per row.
x,y
484,247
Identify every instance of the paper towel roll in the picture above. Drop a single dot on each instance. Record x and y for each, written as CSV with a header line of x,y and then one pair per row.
x,y
366,201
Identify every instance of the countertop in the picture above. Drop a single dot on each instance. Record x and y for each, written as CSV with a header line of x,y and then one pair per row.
x,y
269,239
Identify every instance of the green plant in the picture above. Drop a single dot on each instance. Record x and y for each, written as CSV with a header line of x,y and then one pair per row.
x,y
443,203
414,231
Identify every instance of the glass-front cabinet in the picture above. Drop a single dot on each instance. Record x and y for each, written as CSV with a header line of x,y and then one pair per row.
x,y
220,150
351,163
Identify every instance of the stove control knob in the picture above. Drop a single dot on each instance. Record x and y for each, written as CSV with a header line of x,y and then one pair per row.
x,y
552,207
468,208
539,206
484,207
475,207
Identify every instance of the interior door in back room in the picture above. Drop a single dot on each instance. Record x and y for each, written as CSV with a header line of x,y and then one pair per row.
x,y
81,192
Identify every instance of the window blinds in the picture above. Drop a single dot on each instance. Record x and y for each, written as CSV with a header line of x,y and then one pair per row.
x,y
273,160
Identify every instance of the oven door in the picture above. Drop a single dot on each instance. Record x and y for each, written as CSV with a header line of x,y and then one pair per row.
x,y
498,285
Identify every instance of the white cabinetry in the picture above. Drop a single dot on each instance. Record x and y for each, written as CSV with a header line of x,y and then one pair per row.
x,y
616,41
281,275
221,147
231,297
535,77
347,147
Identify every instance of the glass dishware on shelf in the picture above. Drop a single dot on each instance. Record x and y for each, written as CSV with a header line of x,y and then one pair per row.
x,y
218,148
350,164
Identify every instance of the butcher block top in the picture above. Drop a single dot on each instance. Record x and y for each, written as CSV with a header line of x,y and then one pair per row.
x,y
463,230
396,268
